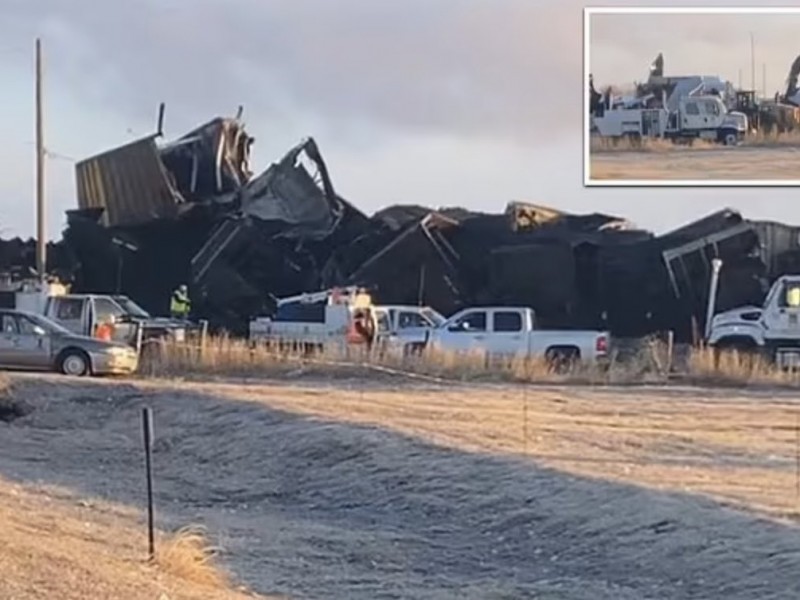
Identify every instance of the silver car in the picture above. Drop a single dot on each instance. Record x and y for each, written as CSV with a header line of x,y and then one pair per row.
x,y
31,341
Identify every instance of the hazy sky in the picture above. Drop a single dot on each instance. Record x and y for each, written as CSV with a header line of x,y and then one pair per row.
x,y
624,45
436,102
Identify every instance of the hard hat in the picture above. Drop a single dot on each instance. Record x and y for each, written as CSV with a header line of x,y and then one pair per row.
x,y
183,287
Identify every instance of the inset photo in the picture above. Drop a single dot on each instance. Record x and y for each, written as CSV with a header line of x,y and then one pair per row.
x,y
691,96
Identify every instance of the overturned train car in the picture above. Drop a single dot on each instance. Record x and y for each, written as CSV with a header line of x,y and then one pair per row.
x,y
191,211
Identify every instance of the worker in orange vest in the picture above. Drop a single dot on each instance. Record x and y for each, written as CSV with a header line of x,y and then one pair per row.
x,y
104,331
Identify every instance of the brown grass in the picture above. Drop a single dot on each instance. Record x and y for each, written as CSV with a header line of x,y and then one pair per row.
x,y
187,554
226,356
650,364
600,145
737,368
59,545
758,139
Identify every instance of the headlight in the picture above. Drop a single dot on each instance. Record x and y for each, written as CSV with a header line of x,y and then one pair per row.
x,y
120,352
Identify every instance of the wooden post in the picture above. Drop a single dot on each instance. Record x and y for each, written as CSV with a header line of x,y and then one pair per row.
x,y
670,350
147,431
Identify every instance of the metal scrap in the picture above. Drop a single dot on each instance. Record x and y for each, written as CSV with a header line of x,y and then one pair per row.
x,y
194,208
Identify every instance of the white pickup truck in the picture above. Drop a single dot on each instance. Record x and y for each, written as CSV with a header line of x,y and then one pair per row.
x,y
511,331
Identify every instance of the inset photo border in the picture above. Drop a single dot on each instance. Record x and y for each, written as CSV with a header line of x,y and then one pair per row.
x,y
727,113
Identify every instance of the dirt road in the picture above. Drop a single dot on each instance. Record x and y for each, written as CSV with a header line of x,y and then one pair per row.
x,y
741,163
398,491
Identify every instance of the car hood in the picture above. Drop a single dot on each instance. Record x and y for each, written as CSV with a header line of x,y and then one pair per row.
x,y
736,316
164,322
87,343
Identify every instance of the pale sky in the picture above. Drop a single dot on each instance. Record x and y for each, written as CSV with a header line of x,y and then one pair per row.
x,y
435,102
624,45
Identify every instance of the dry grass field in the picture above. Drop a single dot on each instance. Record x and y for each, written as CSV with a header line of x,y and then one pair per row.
x,y
59,545
758,158
335,480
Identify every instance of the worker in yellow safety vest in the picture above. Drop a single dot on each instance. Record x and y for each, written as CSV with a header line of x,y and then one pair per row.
x,y
180,305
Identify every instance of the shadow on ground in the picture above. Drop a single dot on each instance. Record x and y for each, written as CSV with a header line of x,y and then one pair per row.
x,y
319,509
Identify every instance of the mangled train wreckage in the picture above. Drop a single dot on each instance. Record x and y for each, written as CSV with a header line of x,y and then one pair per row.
x,y
152,216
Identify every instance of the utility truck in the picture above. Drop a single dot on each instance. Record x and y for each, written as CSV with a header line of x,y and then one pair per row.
x,y
507,331
771,330
342,317
697,117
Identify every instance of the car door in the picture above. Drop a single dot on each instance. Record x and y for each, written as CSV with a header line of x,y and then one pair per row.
x,y
34,344
692,117
383,326
69,312
466,332
105,310
784,320
22,344
9,339
411,326
508,333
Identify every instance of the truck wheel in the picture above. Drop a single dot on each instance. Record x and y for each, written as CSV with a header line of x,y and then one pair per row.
x,y
562,360
730,138
74,362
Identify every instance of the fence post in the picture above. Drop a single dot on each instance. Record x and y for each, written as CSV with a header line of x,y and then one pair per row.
x,y
670,350
203,336
147,431
139,338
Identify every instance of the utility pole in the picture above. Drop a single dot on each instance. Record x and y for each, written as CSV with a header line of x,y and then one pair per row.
x,y
740,79
41,238
752,62
764,79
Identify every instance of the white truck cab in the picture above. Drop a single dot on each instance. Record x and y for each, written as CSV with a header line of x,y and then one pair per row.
x,y
707,117
511,331
772,328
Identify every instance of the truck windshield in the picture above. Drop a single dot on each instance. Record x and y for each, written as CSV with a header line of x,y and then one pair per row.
x,y
131,308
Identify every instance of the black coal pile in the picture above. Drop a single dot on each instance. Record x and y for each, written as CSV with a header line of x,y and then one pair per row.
x,y
154,215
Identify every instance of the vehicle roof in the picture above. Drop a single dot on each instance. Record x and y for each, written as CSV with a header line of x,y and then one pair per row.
x,y
18,311
495,307
89,296
401,307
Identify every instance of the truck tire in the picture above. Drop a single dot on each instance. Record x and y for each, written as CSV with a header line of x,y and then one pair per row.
x,y
562,359
74,362
730,137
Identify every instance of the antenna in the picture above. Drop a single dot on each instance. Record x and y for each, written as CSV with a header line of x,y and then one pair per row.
x,y
41,238
160,124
